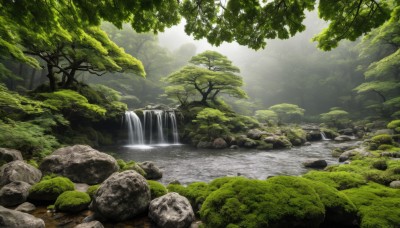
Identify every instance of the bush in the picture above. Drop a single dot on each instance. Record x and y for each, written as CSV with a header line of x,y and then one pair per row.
x,y
277,202
91,191
395,125
72,201
340,180
48,189
382,139
156,189
379,206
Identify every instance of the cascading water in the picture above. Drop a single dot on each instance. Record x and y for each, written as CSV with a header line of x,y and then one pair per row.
x,y
159,128
323,136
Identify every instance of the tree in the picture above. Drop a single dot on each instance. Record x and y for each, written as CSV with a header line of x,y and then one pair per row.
x,y
266,116
210,74
211,122
287,112
335,117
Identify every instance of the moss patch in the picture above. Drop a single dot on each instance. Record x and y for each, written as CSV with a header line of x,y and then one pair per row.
x,y
48,189
340,180
156,189
72,201
91,191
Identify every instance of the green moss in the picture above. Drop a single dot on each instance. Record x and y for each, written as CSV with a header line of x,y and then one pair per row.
x,y
296,135
156,189
382,139
339,180
91,191
49,189
395,125
130,165
72,201
264,146
378,205
380,164
277,202
385,147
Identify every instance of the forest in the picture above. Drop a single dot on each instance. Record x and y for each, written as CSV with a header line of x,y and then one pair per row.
x,y
228,113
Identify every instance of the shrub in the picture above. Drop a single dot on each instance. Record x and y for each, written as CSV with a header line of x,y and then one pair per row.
x,y
48,189
72,201
156,189
378,205
339,180
382,139
277,202
91,191
395,125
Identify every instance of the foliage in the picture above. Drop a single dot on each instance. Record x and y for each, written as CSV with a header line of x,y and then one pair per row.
x,y
156,189
378,205
210,74
130,165
31,139
211,123
394,124
51,188
267,116
335,117
382,139
72,201
287,112
296,135
91,191
340,180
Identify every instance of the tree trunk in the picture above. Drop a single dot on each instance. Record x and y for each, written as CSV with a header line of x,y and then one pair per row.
x,y
32,79
70,78
52,79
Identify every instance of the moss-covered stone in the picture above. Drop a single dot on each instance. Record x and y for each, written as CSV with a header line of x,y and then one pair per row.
x,y
380,164
295,135
277,202
72,201
49,188
395,125
340,180
156,189
130,165
379,206
381,139
91,191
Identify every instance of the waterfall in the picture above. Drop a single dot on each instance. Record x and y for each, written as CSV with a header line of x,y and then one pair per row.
x,y
160,131
135,130
174,125
323,136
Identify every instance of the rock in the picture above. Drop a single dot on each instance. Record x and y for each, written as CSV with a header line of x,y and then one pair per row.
x,y
9,155
313,135
171,211
250,143
174,182
350,153
234,147
307,144
219,143
204,145
80,163
122,196
72,201
19,171
241,139
391,154
12,218
278,141
384,132
26,207
395,184
14,193
92,224
255,134
318,164
343,138
346,131
152,171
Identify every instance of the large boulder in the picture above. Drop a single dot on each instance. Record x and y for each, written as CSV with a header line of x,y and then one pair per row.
x,y
122,196
316,163
219,143
256,134
362,151
9,155
171,211
14,193
92,224
204,145
19,171
12,218
26,207
151,170
343,138
80,163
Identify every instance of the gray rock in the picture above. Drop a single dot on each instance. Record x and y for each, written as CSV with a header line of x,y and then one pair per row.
x,y
343,138
171,211
92,224
14,193
346,131
19,171
255,134
12,218
26,207
9,155
204,145
317,164
307,144
234,147
81,164
122,196
395,184
152,171
219,143
350,153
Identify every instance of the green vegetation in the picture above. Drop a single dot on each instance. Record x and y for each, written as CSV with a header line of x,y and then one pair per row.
x,y
335,118
395,125
91,191
288,113
49,188
72,201
156,189
130,165
266,116
340,180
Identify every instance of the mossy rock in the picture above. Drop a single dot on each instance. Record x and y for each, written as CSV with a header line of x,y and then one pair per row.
x,y
380,164
382,139
156,189
277,202
130,165
91,191
264,146
296,136
72,201
340,180
395,125
48,189
378,206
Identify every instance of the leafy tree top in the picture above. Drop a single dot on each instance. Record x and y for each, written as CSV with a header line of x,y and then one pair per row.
x,y
214,61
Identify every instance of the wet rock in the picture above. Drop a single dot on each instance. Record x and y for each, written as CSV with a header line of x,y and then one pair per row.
x,y
81,164
234,147
9,155
14,193
122,196
350,153
343,138
204,145
307,144
19,171
313,135
317,164
395,184
151,170
391,154
346,131
12,218
171,211
26,207
250,143
92,224
219,143
255,134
